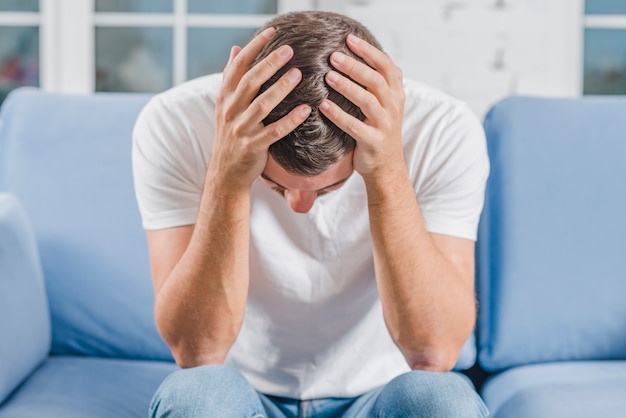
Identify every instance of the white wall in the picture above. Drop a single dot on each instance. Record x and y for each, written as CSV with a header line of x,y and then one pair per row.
x,y
476,50
479,50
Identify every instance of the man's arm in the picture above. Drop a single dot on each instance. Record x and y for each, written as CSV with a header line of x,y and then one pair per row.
x,y
200,272
200,275
425,281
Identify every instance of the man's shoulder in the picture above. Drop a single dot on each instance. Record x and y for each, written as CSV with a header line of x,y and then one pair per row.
x,y
421,95
426,105
188,104
203,89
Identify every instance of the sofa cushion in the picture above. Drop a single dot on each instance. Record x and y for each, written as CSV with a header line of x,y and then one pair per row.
x,y
24,317
569,389
68,159
75,387
467,357
552,240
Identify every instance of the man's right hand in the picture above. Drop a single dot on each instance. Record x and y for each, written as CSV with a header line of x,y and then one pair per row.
x,y
241,142
201,271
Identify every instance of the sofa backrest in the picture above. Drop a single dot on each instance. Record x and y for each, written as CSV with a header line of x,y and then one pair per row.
x,y
68,159
552,240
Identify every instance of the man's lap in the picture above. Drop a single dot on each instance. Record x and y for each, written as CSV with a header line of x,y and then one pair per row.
x,y
223,391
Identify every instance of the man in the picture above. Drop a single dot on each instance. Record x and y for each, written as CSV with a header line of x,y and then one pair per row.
x,y
287,284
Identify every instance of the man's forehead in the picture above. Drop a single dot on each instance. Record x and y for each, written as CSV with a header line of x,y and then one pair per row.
x,y
337,174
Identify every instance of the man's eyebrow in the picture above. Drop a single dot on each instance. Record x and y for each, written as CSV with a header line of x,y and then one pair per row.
x,y
272,181
318,190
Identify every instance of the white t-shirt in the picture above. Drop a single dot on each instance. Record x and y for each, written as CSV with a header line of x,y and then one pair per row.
x,y
314,326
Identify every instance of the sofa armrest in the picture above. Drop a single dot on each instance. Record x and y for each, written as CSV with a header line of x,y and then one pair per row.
x,y
25,333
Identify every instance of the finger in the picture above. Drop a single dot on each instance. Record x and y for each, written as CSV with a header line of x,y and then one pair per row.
x,y
283,126
364,75
234,50
399,74
244,58
252,80
366,101
270,98
376,58
344,121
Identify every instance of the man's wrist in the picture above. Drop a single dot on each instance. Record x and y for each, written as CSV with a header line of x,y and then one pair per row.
x,y
391,184
219,186
386,177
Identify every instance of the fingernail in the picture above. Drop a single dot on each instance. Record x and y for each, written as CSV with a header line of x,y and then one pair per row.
x,y
293,74
269,32
333,77
338,57
353,39
324,105
305,110
284,51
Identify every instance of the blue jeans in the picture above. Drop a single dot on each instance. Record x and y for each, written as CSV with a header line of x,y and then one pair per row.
x,y
222,392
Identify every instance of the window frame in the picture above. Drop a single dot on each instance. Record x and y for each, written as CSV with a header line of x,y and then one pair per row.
x,y
67,36
598,21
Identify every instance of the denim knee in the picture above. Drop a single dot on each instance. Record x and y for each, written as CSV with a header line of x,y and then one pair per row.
x,y
429,394
206,391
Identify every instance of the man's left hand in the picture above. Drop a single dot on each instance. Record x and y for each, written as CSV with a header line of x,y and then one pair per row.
x,y
379,136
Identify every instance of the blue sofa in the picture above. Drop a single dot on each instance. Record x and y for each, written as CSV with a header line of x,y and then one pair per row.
x,y
77,333
76,299
552,259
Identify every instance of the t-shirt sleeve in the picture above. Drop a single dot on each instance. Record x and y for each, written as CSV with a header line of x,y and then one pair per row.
x,y
451,197
168,185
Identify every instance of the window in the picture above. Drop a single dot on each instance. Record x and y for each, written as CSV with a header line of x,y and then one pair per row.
x,y
148,46
605,47
82,46
19,48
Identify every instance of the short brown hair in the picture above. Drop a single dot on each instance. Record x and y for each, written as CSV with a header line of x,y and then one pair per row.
x,y
317,144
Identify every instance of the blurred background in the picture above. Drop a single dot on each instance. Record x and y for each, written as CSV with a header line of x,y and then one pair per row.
x,y
476,50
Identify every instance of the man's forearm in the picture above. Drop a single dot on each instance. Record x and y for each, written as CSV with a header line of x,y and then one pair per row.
x,y
427,304
200,308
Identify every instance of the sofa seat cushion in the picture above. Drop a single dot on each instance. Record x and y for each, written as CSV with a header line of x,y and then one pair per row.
x,y
79,387
569,389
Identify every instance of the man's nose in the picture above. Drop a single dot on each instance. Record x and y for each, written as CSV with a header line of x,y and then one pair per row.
x,y
300,201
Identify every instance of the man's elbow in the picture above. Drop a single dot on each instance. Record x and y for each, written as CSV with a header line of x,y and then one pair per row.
x,y
186,358
431,359
189,346
193,350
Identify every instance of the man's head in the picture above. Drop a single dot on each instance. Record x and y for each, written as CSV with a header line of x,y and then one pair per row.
x,y
317,144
